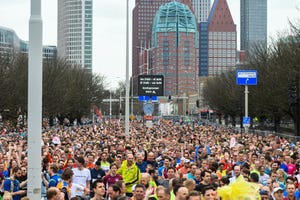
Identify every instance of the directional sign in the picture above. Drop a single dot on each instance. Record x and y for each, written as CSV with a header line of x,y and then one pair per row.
x,y
246,77
151,85
154,99
144,98
246,120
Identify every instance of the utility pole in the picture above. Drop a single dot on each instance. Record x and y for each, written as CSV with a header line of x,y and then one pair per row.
x,y
120,105
131,96
110,113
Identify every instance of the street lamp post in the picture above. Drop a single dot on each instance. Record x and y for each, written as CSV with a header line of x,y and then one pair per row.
x,y
147,54
110,113
35,77
120,105
121,87
131,95
127,72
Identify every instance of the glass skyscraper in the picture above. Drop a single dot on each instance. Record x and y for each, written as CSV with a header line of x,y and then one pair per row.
x,y
253,23
75,32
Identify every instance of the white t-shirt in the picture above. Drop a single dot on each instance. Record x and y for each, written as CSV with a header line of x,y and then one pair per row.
x,y
76,189
263,178
79,179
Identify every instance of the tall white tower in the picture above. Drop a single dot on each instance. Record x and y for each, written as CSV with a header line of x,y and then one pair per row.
x,y
201,9
75,32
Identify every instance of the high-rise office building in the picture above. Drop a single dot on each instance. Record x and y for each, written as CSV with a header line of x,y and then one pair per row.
x,y
175,40
253,23
218,44
142,20
75,32
10,43
201,9
218,41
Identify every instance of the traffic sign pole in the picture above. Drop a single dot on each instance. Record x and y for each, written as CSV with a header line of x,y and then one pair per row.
x,y
246,77
246,100
246,108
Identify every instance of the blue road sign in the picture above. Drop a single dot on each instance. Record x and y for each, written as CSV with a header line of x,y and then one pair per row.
x,y
246,77
154,99
144,98
246,120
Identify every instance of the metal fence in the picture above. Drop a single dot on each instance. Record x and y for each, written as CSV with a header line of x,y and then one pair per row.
x,y
265,133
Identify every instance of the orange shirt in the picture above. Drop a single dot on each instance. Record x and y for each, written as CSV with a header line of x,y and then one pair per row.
x,y
183,170
90,166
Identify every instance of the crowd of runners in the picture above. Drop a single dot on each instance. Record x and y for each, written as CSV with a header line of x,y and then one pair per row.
x,y
176,161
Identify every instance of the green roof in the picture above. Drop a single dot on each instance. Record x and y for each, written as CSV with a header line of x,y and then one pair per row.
x,y
173,17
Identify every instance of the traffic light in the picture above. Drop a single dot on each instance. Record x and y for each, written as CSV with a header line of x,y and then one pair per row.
x,y
198,103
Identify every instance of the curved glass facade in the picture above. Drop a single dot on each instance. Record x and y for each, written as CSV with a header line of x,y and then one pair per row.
x,y
174,17
10,43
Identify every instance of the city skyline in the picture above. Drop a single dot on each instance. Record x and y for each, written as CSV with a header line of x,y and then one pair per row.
x,y
109,24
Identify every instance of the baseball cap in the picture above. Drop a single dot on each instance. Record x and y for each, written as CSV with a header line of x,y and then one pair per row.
x,y
263,192
277,189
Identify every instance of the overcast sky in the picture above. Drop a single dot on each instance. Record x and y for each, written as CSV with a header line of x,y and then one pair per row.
x,y
109,27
